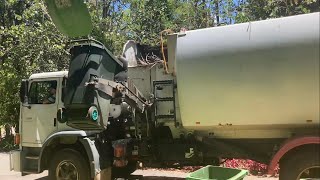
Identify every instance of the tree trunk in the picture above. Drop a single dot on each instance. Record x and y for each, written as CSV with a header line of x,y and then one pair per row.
x,y
217,12
7,128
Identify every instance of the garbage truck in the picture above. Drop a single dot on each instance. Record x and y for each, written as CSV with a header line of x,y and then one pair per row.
x,y
247,90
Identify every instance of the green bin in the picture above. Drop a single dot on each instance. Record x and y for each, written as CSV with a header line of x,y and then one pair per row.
x,y
217,173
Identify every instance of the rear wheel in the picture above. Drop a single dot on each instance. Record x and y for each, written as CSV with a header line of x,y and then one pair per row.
x,y
68,164
305,164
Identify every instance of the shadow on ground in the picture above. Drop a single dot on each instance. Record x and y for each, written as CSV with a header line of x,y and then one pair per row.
x,y
144,178
164,178
43,178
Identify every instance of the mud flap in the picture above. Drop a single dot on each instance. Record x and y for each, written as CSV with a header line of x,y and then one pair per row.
x,y
15,160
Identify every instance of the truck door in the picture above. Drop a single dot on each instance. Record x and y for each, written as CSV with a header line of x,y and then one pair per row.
x,y
62,126
38,117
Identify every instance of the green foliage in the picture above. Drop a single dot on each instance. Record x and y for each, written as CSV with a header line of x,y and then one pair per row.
x,y
109,25
145,19
6,144
29,43
252,10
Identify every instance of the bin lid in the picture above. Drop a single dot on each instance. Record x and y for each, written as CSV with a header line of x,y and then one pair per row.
x,y
217,173
71,17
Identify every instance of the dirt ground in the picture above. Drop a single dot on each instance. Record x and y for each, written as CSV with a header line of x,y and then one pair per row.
x,y
148,174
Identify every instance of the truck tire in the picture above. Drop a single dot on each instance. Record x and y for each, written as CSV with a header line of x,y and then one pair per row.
x,y
305,164
124,172
69,164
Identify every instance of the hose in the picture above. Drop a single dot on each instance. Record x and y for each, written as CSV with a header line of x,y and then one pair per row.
x,y
162,49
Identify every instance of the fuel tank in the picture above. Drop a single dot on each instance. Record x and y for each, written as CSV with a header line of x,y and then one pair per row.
x,y
250,75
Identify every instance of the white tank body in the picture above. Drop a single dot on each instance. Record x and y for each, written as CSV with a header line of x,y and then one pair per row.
x,y
262,74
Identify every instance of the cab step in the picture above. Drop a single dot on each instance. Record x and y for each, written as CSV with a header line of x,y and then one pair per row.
x,y
30,171
32,157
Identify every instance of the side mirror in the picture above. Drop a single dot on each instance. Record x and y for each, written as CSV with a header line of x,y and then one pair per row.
x,y
24,90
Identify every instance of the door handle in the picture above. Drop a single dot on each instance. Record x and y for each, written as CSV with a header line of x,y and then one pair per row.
x,y
54,122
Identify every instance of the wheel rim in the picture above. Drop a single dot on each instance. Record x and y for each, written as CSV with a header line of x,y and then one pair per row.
x,y
306,172
66,170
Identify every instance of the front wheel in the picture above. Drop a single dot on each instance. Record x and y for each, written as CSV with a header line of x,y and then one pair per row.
x,y
69,164
301,165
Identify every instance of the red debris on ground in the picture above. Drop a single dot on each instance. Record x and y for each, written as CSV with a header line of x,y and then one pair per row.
x,y
255,168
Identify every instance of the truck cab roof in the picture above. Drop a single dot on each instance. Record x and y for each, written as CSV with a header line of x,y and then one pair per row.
x,y
49,75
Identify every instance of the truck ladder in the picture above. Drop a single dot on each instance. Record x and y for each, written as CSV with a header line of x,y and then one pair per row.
x,y
30,164
157,86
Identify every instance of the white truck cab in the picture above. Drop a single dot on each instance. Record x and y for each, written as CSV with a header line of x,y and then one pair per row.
x,y
38,118
41,135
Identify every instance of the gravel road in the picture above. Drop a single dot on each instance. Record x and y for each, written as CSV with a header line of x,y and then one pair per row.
x,y
149,174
